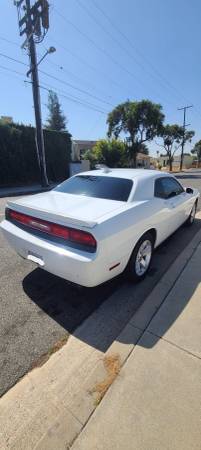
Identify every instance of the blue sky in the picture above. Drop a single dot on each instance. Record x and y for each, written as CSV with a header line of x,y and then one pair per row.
x,y
153,51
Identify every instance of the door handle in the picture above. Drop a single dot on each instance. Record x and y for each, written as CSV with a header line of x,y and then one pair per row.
x,y
172,205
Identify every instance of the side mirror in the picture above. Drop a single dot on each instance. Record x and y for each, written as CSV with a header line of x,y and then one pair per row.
x,y
189,190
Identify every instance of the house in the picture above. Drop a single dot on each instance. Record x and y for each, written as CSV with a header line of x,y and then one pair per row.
x,y
187,161
79,147
143,160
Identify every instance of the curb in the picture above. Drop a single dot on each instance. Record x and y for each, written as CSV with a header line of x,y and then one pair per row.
x,y
132,332
137,325
58,404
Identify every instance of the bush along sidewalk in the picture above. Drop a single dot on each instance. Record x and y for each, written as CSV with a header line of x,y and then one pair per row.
x,y
18,156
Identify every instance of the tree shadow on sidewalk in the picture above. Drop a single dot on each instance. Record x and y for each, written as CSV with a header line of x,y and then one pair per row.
x,y
69,307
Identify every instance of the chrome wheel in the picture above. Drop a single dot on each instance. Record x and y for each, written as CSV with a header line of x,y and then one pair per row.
x,y
143,258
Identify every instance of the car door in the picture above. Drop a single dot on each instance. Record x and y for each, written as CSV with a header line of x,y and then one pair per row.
x,y
172,198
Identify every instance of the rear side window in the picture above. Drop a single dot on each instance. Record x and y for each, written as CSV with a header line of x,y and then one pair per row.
x,y
110,188
167,187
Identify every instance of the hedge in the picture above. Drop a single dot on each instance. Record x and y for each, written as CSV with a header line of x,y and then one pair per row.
x,y
18,156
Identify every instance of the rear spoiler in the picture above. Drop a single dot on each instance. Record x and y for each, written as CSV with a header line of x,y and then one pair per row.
x,y
52,217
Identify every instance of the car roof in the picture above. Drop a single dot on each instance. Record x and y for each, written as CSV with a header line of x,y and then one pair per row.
x,y
126,173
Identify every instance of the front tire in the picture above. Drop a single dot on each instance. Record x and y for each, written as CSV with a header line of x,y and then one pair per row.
x,y
191,218
140,259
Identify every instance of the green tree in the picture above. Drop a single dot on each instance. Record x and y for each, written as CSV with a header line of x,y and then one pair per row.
x,y
172,137
89,154
112,153
56,119
197,150
139,121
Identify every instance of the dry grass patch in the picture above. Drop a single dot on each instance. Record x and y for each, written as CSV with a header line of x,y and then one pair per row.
x,y
44,358
112,366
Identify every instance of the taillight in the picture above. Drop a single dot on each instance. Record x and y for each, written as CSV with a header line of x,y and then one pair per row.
x,y
69,234
82,237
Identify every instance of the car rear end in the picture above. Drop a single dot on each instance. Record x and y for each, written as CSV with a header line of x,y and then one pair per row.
x,y
71,253
62,230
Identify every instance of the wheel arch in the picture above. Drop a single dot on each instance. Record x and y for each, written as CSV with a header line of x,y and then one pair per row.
x,y
152,231
149,231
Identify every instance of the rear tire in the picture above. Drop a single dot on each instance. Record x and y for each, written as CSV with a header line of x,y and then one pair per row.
x,y
140,259
191,217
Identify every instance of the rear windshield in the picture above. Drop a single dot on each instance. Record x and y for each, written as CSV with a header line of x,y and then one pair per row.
x,y
110,188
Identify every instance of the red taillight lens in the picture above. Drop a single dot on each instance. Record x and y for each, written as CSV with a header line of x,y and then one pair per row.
x,y
70,234
59,231
22,218
82,237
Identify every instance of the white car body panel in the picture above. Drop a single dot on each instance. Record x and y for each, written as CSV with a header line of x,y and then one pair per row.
x,y
73,210
116,225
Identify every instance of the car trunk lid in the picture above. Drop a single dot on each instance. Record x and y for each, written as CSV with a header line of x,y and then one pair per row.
x,y
66,209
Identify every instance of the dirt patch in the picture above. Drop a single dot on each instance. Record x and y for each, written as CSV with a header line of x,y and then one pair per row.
x,y
44,358
112,366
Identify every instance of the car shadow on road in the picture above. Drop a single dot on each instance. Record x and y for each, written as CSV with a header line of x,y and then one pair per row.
x,y
98,315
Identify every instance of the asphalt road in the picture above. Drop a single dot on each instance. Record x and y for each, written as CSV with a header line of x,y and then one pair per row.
x,y
37,309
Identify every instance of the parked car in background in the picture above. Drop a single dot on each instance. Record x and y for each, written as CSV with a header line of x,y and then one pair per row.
x,y
97,224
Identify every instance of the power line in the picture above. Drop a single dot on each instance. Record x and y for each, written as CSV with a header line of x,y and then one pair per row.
x,y
11,70
109,34
79,58
59,80
156,71
116,41
72,74
83,61
67,96
105,52
85,104
8,41
91,67
81,101
158,74
13,59
76,88
49,62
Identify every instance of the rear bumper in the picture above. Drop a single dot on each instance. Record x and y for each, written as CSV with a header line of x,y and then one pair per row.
x,y
85,269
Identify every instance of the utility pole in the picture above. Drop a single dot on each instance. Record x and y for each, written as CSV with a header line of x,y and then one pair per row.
x,y
184,108
34,17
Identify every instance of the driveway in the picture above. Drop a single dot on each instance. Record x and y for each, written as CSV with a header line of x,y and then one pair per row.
x,y
38,309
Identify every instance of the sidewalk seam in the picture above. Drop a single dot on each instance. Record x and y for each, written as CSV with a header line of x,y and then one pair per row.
x,y
174,345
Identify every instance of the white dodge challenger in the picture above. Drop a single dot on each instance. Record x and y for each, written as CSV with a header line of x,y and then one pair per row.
x,y
95,225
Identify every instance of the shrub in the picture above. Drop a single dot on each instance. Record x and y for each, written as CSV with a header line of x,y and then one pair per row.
x,y
18,156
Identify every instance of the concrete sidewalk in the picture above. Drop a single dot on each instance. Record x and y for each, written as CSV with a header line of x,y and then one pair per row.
x,y
155,402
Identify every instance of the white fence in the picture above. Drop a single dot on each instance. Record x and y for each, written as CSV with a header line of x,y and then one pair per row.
x,y
77,167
